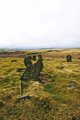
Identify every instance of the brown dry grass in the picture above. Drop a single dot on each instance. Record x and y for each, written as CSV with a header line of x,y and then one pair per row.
x,y
56,97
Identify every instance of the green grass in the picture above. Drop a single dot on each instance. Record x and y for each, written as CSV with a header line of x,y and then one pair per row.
x,y
61,90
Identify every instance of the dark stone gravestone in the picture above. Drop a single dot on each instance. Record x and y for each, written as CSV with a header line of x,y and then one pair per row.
x,y
32,71
29,68
34,57
69,58
38,66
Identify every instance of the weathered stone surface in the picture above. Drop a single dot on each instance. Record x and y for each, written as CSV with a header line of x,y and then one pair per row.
x,y
32,71
34,57
38,66
69,58
29,68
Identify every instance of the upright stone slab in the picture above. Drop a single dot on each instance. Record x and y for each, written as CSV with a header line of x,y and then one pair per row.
x,y
29,68
38,66
69,58
32,71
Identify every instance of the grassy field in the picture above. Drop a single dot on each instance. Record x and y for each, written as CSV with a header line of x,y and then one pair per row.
x,y
55,97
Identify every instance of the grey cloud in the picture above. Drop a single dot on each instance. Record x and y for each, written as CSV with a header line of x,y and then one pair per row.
x,y
40,23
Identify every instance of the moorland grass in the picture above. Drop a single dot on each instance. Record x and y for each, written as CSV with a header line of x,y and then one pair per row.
x,y
61,90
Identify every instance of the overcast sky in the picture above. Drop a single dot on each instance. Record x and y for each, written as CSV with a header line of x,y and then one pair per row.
x,y
39,23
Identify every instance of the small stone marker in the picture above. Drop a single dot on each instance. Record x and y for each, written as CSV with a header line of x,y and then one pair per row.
x,y
69,58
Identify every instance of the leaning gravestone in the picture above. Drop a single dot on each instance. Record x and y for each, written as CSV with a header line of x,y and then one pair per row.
x,y
27,75
29,68
69,58
32,71
38,66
